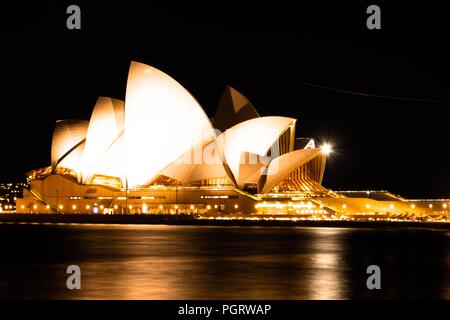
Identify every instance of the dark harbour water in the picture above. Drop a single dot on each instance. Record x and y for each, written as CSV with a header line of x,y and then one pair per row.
x,y
191,262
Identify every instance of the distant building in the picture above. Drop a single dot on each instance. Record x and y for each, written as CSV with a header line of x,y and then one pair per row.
x,y
9,193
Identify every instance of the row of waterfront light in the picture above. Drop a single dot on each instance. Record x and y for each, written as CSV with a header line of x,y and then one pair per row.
x,y
330,218
144,207
279,205
300,208
309,205
391,206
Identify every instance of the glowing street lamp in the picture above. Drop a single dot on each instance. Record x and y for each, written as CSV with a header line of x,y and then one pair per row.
x,y
326,149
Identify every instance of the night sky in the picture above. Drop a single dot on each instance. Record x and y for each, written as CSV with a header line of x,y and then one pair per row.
x,y
50,73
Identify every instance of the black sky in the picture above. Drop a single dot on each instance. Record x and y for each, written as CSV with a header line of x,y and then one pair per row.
x,y
50,73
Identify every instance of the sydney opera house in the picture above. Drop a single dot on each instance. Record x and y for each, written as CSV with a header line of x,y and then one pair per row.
x,y
158,152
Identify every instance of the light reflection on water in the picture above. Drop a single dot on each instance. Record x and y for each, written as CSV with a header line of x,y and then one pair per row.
x,y
189,262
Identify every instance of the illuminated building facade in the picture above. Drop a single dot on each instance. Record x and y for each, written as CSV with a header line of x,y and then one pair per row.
x,y
158,152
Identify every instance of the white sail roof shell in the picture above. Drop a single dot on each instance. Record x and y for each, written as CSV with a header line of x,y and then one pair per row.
x,y
68,143
104,149
250,168
162,122
233,108
280,167
198,163
254,136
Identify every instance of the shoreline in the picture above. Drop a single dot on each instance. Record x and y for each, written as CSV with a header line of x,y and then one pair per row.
x,y
192,221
